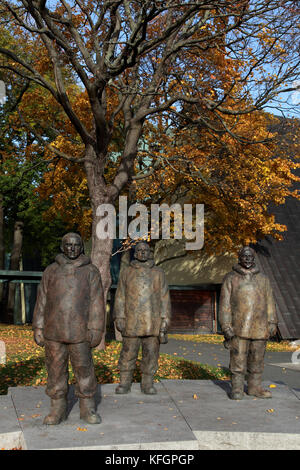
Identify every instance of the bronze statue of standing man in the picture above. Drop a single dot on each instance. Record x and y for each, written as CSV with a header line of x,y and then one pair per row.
x,y
248,318
142,313
68,320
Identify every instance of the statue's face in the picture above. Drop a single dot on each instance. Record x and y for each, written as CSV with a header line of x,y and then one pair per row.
x,y
142,252
247,259
71,246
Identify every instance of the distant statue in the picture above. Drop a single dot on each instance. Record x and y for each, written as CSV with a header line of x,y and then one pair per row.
x,y
142,314
248,318
68,320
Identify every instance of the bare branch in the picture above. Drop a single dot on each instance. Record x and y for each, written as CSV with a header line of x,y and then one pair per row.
x,y
44,144
36,76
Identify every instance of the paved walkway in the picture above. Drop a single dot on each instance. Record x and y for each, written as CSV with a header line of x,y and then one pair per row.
x,y
184,415
278,365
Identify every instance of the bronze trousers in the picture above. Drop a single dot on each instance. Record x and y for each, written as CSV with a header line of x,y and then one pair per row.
x,y
247,355
57,362
130,350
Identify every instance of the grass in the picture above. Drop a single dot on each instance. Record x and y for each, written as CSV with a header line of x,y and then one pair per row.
x,y
218,339
25,363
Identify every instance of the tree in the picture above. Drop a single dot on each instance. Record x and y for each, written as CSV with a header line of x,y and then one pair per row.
x,y
236,192
23,230
137,52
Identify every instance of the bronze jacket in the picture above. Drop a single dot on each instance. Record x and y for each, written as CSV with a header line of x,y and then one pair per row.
x,y
142,299
246,303
70,300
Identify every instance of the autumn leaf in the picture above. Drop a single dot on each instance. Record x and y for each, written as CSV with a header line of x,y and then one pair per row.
x,y
21,349
218,339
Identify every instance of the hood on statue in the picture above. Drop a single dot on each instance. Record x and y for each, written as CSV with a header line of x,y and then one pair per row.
x,y
246,264
72,251
142,256
239,269
139,264
82,260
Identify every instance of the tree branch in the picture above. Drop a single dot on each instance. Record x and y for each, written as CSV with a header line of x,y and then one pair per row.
x,y
50,147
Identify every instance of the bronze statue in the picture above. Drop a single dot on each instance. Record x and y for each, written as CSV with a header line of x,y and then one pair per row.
x,y
142,313
68,320
248,318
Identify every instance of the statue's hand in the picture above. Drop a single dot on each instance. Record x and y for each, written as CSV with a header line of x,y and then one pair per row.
x,y
39,336
163,327
120,324
94,337
163,337
228,333
272,329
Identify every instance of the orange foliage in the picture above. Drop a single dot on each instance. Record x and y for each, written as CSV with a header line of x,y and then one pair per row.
x,y
220,159
236,181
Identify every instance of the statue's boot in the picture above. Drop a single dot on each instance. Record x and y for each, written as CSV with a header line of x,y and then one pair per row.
x,y
125,383
147,385
88,413
237,383
58,411
255,389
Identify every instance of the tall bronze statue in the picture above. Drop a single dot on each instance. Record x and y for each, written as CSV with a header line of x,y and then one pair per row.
x,y
142,314
68,320
248,318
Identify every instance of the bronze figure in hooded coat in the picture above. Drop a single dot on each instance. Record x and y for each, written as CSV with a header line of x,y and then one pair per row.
x,y
68,320
247,315
142,313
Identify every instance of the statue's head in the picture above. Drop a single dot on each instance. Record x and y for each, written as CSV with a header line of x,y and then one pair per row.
x,y
71,245
142,251
247,257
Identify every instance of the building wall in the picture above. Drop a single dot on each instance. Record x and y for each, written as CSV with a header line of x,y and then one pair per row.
x,y
194,268
194,279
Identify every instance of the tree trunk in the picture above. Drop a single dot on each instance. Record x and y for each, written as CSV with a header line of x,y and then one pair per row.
x,y
101,249
100,193
101,254
14,266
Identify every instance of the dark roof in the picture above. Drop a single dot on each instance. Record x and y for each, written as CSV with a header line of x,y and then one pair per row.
x,y
280,261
